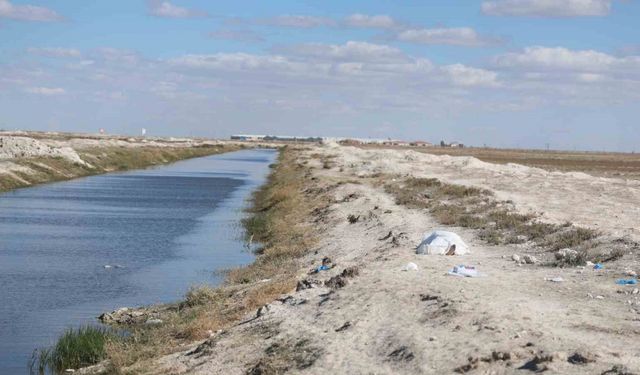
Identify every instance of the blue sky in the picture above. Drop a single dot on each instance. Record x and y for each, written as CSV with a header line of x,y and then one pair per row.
x,y
506,73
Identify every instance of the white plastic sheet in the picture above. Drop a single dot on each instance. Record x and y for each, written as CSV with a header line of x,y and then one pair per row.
x,y
441,242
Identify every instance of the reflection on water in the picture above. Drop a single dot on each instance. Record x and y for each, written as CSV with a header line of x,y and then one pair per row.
x,y
158,231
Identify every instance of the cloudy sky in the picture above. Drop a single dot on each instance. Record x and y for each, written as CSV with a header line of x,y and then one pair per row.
x,y
506,73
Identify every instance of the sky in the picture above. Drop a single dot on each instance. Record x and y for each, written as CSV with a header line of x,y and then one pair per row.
x,y
563,74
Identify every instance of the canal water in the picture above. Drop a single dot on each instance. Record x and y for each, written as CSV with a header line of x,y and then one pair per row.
x,y
72,250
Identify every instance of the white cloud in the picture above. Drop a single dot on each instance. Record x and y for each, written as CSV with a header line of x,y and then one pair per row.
x,y
559,58
55,52
236,35
117,56
45,91
237,62
571,77
461,36
27,12
366,21
316,81
298,21
166,9
590,77
467,76
350,51
547,8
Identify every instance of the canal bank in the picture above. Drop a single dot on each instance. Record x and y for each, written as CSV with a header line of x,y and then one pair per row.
x,y
28,159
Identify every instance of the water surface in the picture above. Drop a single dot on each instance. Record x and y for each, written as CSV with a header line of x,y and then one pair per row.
x,y
157,231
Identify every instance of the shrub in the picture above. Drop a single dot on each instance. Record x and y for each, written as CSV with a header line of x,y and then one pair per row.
x,y
76,347
572,238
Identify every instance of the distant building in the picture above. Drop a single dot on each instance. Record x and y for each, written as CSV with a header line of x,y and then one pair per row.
x,y
288,138
350,142
452,144
343,141
394,142
420,144
247,137
273,138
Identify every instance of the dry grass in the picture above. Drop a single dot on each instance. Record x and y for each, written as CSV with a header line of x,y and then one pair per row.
x,y
201,295
277,219
476,208
282,357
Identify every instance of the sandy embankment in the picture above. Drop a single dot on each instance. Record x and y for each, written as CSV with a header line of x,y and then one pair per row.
x,y
389,321
31,158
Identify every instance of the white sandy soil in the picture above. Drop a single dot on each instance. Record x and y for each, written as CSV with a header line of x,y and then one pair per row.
x,y
510,321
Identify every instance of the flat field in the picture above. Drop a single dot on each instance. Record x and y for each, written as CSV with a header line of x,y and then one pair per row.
x,y
602,164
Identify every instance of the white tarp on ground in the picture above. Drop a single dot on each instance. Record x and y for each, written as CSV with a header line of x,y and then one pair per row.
x,y
441,242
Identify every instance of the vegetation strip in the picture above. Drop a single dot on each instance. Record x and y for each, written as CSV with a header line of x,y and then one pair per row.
x,y
499,224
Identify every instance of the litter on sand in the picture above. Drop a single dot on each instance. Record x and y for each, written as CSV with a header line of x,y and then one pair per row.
x,y
327,264
464,271
598,266
554,279
626,281
442,243
323,268
410,267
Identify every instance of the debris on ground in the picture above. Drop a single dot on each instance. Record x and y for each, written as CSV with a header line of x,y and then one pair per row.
x,y
442,243
401,354
389,235
343,327
557,279
306,284
352,271
340,281
410,267
292,301
618,370
464,271
578,358
540,361
626,281
322,268
475,362
353,218
326,265
262,310
428,297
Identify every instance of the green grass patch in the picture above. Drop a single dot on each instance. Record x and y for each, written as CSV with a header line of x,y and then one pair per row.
x,y
76,348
